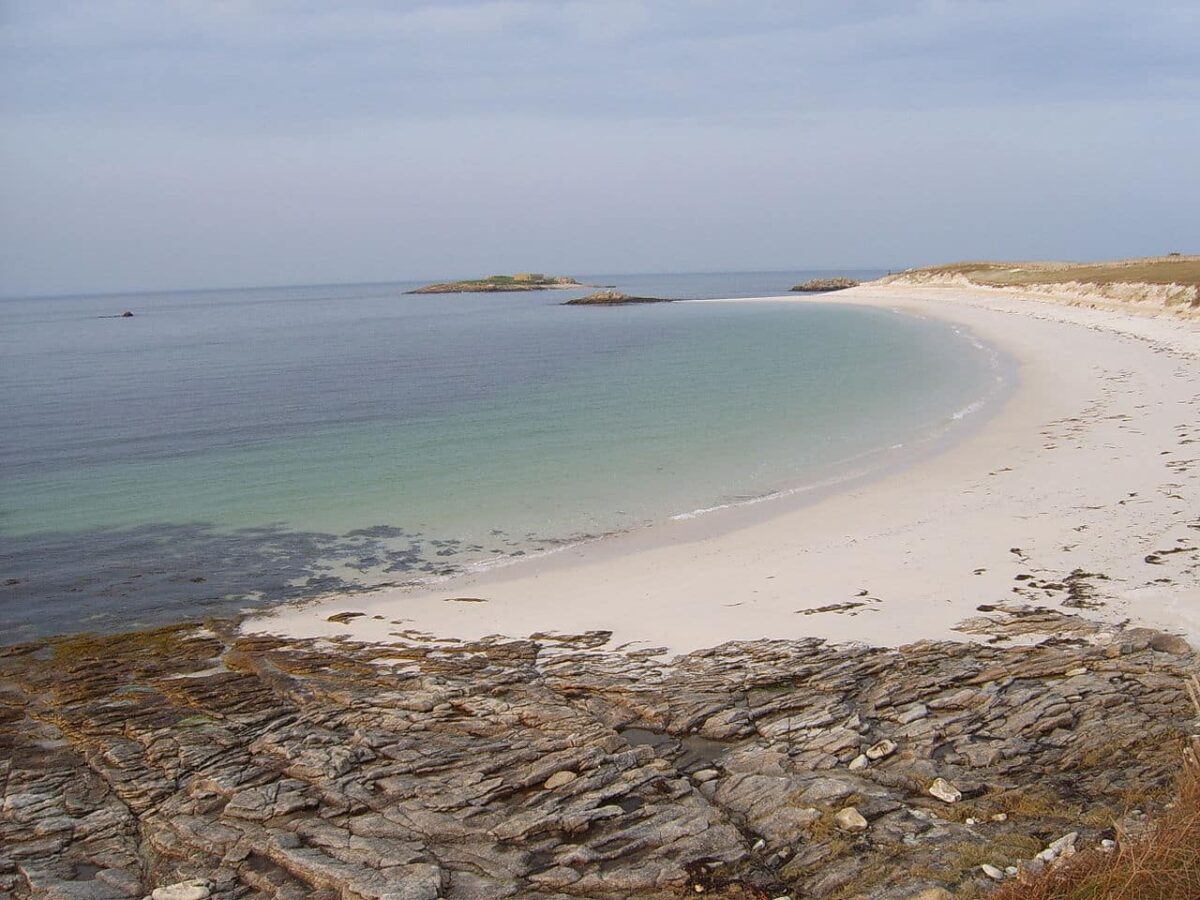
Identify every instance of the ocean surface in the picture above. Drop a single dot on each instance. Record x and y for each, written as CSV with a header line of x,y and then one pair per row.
x,y
222,450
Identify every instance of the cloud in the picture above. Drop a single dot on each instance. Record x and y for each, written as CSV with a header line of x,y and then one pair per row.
x,y
149,142
271,61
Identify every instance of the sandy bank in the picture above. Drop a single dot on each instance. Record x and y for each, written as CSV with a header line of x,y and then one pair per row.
x,y
1082,492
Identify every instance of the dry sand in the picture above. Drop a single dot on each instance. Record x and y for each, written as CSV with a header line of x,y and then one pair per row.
x,y
1092,467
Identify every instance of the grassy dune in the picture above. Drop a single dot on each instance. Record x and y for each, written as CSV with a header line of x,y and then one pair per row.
x,y
1183,270
1159,284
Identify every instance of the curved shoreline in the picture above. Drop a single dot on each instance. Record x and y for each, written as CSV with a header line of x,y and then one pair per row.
x,y
898,558
818,483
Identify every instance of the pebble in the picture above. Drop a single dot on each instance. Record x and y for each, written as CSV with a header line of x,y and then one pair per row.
x,y
881,750
558,779
195,889
945,791
850,819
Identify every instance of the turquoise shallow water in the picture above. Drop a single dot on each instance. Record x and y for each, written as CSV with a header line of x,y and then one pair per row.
x,y
235,447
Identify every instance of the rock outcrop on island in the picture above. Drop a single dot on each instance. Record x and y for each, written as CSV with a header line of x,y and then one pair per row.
x,y
823,285
523,281
611,297
197,762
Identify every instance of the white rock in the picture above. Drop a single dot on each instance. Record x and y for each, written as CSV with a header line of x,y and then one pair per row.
x,y
945,791
1000,817
1060,849
913,713
992,872
1011,870
859,762
558,779
759,846
850,819
882,749
972,821
195,889
705,775
1107,845
1071,673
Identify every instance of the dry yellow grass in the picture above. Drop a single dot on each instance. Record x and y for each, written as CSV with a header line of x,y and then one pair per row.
x,y
1184,270
1162,863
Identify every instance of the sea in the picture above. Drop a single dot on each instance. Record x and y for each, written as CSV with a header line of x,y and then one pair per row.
x,y
226,450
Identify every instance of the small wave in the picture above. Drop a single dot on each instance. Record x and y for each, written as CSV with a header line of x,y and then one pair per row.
x,y
731,504
969,409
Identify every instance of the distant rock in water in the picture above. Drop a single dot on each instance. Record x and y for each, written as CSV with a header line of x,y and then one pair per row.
x,y
125,315
522,281
615,298
821,285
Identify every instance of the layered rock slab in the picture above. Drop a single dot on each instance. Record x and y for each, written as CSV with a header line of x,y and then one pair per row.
x,y
196,759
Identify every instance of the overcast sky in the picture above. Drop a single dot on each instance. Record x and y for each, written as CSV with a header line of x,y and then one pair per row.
x,y
201,143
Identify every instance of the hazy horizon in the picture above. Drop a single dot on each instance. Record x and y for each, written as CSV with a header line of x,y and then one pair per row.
x,y
196,145
587,279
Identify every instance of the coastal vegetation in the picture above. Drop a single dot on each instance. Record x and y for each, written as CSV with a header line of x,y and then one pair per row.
x,y
1157,284
522,281
1171,269
1160,861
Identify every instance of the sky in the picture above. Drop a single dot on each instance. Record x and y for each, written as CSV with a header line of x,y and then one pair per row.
x,y
155,144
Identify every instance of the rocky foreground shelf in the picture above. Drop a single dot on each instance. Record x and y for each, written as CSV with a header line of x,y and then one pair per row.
x,y
194,762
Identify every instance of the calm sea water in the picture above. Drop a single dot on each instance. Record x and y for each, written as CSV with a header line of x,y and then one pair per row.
x,y
232,448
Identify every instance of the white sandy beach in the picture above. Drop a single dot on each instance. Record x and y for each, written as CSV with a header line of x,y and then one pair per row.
x,y
1091,467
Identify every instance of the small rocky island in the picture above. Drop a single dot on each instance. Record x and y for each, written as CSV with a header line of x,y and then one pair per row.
x,y
522,281
615,298
823,285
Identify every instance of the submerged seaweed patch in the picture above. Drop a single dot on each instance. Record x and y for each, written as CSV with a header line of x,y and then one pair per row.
x,y
111,579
